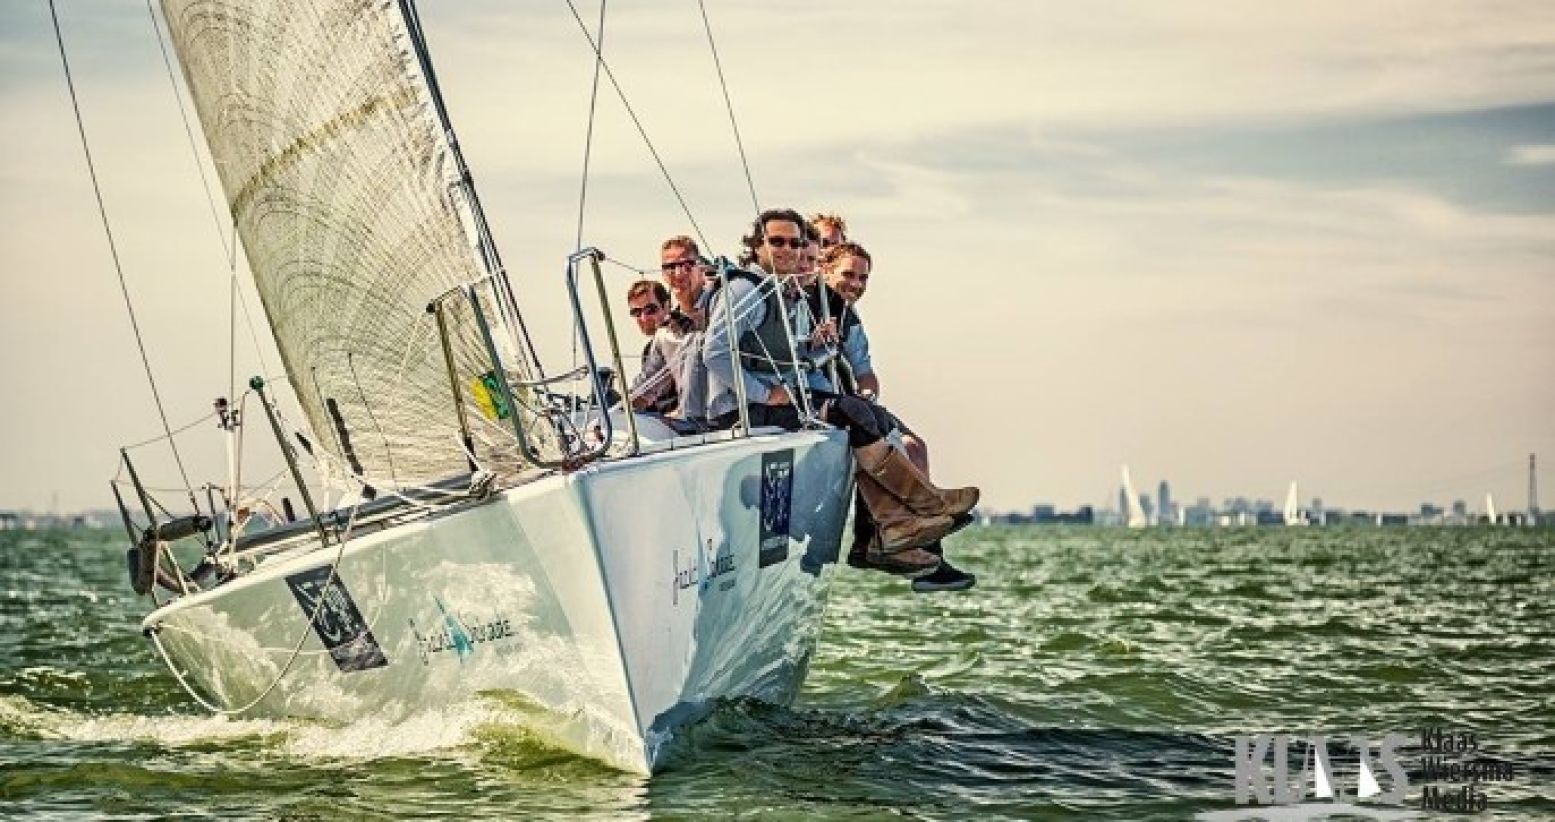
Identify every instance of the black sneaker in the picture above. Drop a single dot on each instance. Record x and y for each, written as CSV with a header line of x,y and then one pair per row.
x,y
857,556
945,578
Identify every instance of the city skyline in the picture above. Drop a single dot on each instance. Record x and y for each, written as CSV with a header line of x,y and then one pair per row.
x,y
1132,239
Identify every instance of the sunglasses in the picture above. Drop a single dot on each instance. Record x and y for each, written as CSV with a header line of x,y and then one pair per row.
x,y
668,267
791,242
650,309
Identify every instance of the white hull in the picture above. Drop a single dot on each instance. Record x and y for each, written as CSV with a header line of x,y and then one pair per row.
x,y
612,603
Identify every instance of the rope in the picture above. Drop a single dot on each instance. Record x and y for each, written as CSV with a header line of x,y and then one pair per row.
x,y
636,121
113,250
302,636
729,105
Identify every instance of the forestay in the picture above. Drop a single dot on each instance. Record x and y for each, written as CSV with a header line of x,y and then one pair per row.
x,y
347,196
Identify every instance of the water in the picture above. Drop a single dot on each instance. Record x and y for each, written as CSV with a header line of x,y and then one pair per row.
x,y
1094,673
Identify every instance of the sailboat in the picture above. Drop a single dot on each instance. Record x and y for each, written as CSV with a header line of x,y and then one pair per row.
x,y
1133,513
1292,511
506,528
1490,509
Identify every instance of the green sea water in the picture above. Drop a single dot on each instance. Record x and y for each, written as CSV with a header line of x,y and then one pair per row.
x,y
1093,673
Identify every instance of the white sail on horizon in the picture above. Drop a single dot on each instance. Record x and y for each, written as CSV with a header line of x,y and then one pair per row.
x,y
1133,512
1293,506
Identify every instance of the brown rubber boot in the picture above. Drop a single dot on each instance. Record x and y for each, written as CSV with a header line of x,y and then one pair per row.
x,y
897,475
913,563
900,529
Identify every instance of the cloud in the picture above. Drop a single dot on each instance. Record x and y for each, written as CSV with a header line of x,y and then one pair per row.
x,y
1531,156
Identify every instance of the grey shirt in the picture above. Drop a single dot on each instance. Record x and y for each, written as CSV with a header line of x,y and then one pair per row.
x,y
673,366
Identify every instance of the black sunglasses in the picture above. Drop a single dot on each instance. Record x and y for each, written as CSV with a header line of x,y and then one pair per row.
x,y
650,309
677,264
791,242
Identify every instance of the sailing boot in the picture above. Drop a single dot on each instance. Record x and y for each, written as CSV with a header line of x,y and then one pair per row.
x,y
946,577
901,532
913,563
898,476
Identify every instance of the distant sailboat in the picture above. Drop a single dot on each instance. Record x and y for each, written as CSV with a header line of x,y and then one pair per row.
x,y
1133,512
1490,509
1293,515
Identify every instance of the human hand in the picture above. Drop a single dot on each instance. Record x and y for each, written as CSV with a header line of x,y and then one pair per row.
x,y
779,396
825,333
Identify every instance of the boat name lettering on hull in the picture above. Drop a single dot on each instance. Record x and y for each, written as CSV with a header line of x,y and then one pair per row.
x,y
336,619
459,633
777,504
706,567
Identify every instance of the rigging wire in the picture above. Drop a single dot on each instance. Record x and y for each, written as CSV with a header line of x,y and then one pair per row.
x,y
729,106
588,150
588,136
113,250
636,121
229,248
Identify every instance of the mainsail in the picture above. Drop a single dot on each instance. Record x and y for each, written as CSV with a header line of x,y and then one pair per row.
x,y
347,195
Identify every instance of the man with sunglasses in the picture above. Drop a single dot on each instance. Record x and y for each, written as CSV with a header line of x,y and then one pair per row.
x,y
648,303
673,380
909,511
680,261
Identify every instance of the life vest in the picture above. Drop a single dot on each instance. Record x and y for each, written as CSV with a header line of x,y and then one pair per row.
x,y
766,348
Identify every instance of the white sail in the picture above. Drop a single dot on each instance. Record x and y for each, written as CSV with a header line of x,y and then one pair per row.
x,y
346,195
1490,509
1133,511
1292,506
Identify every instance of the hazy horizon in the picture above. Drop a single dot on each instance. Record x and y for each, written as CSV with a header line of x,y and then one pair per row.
x,y
1231,250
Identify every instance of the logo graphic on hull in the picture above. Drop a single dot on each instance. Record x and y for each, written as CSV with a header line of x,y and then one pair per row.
x,y
336,620
777,504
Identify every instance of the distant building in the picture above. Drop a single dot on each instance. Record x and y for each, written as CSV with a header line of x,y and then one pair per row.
x,y
1163,503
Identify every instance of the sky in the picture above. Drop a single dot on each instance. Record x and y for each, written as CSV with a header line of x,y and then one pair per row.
x,y
1229,245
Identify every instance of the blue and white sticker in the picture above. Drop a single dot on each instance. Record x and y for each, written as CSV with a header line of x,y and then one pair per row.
x,y
777,506
338,622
